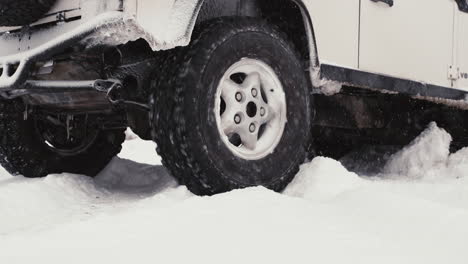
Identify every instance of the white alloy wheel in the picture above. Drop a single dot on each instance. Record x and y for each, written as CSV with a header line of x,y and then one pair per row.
x,y
250,109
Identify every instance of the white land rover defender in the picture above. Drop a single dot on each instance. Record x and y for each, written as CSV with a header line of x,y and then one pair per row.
x,y
235,93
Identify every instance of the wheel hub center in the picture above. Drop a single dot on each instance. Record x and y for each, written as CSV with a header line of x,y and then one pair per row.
x,y
250,109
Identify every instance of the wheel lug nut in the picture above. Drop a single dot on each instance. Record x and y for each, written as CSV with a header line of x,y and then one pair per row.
x,y
252,128
262,111
237,119
254,92
239,97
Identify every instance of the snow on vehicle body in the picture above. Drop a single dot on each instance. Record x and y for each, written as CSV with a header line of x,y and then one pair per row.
x,y
88,69
110,22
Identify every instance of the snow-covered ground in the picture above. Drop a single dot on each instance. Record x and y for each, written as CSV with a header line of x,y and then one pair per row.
x,y
414,211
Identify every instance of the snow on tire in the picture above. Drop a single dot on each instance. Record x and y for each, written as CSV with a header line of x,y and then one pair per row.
x,y
233,109
23,12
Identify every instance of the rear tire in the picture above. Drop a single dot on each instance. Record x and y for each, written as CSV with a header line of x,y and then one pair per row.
x,y
23,12
24,152
186,124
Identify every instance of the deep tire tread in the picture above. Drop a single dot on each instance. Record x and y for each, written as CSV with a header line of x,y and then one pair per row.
x,y
169,121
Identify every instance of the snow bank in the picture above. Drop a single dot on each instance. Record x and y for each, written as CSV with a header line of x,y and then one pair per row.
x,y
322,179
134,212
37,204
429,151
428,157
364,223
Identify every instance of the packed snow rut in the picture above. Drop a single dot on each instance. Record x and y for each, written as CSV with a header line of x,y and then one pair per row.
x,y
414,209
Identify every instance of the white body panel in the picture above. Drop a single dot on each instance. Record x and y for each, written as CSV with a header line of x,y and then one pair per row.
x,y
165,24
461,51
411,40
336,28
170,22
65,5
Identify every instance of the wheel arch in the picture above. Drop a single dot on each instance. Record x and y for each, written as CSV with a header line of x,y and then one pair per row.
x,y
290,15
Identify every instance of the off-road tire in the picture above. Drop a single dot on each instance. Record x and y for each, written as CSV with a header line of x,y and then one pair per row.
x,y
22,152
23,12
183,119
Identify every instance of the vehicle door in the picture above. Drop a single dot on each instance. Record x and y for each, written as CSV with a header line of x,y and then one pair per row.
x,y
410,39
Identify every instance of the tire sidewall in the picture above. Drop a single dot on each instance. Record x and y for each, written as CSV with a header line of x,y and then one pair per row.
x,y
229,47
